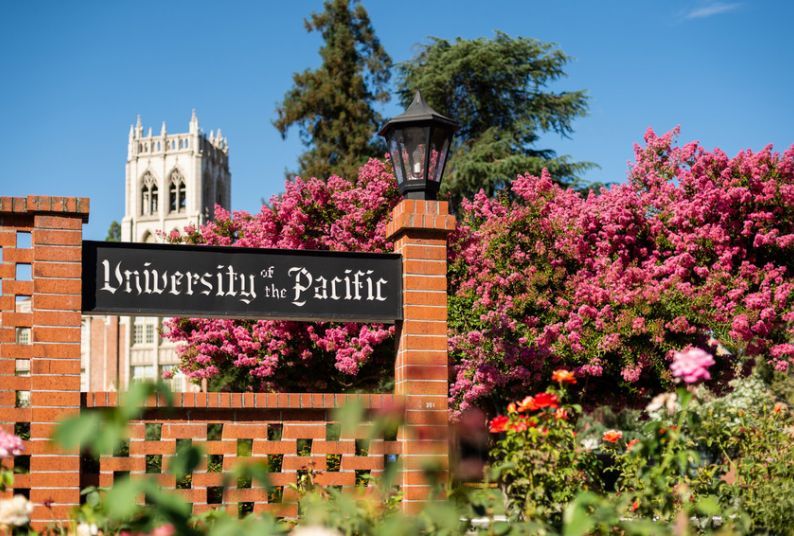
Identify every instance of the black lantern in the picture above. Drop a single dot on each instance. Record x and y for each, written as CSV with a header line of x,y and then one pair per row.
x,y
419,142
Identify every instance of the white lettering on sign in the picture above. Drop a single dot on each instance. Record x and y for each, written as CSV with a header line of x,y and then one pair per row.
x,y
351,287
226,281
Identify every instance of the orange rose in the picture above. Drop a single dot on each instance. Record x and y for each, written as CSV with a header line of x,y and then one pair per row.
x,y
561,414
612,436
631,443
511,407
528,404
563,376
779,407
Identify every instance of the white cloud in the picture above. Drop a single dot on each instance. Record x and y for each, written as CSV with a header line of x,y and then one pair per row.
x,y
711,9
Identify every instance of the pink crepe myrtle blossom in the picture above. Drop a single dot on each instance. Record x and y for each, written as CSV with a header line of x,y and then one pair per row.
x,y
10,445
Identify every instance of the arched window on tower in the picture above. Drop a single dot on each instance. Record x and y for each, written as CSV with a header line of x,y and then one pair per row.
x,y
148,195
154,208
219,190
182,194
177,192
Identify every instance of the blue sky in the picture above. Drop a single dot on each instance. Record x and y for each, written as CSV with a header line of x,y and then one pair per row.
x,y
75,74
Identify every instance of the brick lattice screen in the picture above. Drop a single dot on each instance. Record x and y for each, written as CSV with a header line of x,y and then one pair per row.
x,y
294,433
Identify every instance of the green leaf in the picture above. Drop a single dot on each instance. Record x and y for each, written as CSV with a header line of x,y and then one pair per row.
x,y
576,518
185,461
349,416
122,499
709,506
134,400
78,431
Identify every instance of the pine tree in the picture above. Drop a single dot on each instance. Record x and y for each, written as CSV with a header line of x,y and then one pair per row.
x,y
333,105
497,89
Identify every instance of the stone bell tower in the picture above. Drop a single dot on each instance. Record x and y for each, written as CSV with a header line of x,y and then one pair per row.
x,y
172,180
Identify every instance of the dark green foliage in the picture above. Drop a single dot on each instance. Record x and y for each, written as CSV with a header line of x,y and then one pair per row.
x,y
332,105
497,90
114,232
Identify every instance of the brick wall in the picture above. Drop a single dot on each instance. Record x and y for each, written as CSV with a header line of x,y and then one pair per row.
x,y
41,240
40,368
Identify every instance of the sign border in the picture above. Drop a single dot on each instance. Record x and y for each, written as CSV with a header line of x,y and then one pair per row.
x,y
88,256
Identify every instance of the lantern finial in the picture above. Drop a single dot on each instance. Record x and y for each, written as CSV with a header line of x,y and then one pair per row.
x,y
419,140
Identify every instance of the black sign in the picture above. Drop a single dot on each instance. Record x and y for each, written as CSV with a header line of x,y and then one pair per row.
x,y
211,281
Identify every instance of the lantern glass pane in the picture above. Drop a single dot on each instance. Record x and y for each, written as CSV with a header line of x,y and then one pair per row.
x,y
414,147
396,159
439,146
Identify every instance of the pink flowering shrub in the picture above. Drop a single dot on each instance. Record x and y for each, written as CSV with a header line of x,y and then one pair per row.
x,y
696,249
338,215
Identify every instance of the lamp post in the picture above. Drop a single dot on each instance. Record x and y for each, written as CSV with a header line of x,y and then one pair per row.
x,y
418,142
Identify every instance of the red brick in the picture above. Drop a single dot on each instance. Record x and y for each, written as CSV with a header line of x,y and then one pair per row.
x,y
411,342
17,319
59,334
424,267
18,255
424,327
43,399
425,416
421,312
55,366
58,222
415,295
57,286
422,387
16,383
58,253
425,251
424,372
67,492
17,288
56,383
304,431
57,237
56,318
67,302
57,269
47,414
51,349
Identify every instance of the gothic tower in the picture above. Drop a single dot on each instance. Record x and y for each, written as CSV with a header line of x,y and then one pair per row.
x,y
172,180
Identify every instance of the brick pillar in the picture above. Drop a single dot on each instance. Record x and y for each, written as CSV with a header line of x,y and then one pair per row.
x,y
419,230
40,340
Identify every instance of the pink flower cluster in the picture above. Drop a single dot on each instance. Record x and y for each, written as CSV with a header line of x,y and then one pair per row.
x,y
10,445
696,249
692,365
338,215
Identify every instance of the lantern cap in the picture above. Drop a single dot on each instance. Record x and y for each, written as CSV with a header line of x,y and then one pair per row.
x,y
418,112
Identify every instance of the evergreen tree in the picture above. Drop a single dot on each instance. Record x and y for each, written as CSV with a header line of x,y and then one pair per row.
x,y
332,105
114,232
497,89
